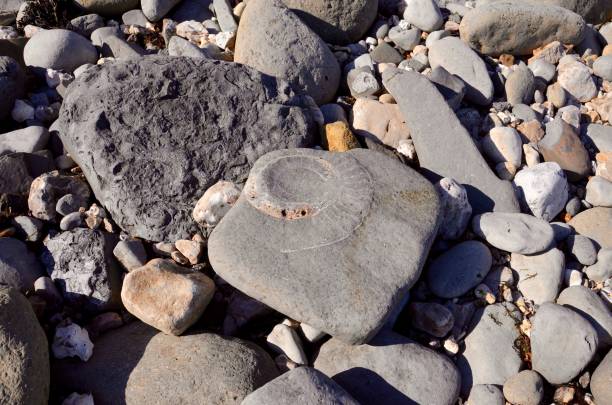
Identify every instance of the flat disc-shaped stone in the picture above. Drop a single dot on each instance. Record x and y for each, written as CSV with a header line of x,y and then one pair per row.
x,y
330,239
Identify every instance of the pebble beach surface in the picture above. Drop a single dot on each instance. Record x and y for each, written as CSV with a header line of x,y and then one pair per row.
x,y
325,202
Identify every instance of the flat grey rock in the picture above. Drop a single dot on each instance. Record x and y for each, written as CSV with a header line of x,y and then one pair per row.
x,y
19,267
581,248
86,24
588,304
23,350
390,367
459,269
526,27
601,136
155,10
450,86
520,86
562,343
82,265
181,47
59,49
602,270
486,394
600,381
118,48
539,275
423,14
602,67
457,58
12,80
27,140
515,233
331,221
444,147
135,17
490,356
225,15
303,385
108,7
185,131
273,40
336,21
137,365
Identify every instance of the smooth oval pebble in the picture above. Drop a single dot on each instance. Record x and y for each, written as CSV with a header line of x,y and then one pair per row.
x,y
460,269
524,388
515,233
59,50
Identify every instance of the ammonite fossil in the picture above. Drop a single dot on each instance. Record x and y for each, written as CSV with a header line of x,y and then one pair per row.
x,y
330,239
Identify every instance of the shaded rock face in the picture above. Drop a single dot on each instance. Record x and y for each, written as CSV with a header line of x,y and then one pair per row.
x,y
392,368
526,27
24,376
301,385
137,365
185,125
82,265
18,266
330,222
273,40
336,21
593,11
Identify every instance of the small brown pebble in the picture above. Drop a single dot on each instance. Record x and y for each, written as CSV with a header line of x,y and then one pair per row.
x,y
506,59
564,395
531,130
179,258
191,250
339,138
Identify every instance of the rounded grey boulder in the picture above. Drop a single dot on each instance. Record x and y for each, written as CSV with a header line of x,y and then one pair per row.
x,y
391,367
588,304
59,49
136,365
336,21
526,26
331,222
108,7
486,394
303,385
150,155
459,269
524,388
24,372
273,40
562,343
11,84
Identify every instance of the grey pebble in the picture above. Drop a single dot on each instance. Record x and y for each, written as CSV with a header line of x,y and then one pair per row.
x,y
582,248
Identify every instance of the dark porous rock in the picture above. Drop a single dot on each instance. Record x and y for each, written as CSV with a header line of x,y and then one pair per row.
x,y
12,80
525,27
444,147
336,21
331,222
390,367
303,385
137,365
593,11
24,371
19,267
562,343
82,265
273,40
186,123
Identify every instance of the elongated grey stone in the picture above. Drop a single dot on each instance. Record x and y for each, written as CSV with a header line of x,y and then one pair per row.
x,y
444,147
330,222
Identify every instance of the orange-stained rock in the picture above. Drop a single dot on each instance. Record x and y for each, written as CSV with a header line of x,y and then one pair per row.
x,y
339,138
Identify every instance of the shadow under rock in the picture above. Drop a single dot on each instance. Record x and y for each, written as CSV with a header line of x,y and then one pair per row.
x,y
106,373
368,387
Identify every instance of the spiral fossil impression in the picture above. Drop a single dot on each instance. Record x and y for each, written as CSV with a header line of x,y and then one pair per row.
x,y
337,236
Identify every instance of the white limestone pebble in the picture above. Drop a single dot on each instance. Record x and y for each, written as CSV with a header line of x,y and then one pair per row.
x,y
215,203
456,208
72,340
285,340
503,144
542,189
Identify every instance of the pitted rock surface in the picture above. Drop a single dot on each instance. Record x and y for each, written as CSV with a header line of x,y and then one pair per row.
x,y
149,154
328,221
